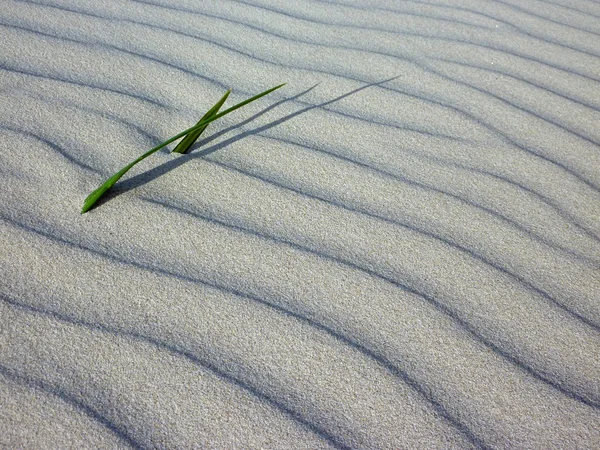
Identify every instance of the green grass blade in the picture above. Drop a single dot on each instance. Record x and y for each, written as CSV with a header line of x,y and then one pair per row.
x,y
95,196
239,105
189,140
100,191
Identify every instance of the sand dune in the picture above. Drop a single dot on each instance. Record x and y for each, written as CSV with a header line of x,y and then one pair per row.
x,y
400,249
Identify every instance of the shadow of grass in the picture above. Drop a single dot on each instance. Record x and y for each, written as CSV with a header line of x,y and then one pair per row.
x,y
146,177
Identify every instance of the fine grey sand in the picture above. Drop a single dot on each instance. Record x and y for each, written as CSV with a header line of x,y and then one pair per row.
x,y
400,249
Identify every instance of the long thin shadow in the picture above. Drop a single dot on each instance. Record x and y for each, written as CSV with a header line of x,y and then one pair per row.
x,y
250,119
216,147
93,413
420,64
141,179
164,346
385,362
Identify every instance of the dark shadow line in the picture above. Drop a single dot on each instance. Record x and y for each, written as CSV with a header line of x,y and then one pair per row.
x,y
444,162
439,161
547,19
509,139
387,174
77,83
424,67
138,180
358,27
311,322
511,104
120,432
429,234
208,140
318,44
52,145
403,179
137,129
306,42
471,330
504,136
322,105
519,78
182,69
452,21
395,177
181,352
542,198
281,120
385,54
502,21
447,21
218,134
114,48
560,5
97,112
525,283
437,305
428,4
212,80
141,179
439,5
362,165
195,37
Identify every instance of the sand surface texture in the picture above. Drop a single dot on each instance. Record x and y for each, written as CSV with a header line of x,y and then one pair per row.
x,y
398,249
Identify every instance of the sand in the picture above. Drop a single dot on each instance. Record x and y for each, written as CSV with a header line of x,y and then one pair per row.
x,y
398,249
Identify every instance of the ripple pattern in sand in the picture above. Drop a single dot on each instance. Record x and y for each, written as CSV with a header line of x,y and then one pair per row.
x,y
401,249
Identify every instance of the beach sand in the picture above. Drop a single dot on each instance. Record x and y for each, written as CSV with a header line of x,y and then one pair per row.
x,y
398,249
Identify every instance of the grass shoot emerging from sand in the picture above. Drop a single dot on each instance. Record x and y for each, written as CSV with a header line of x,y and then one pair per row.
x,y
191,135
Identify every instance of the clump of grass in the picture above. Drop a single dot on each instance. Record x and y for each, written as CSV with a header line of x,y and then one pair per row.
x,y
191,135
